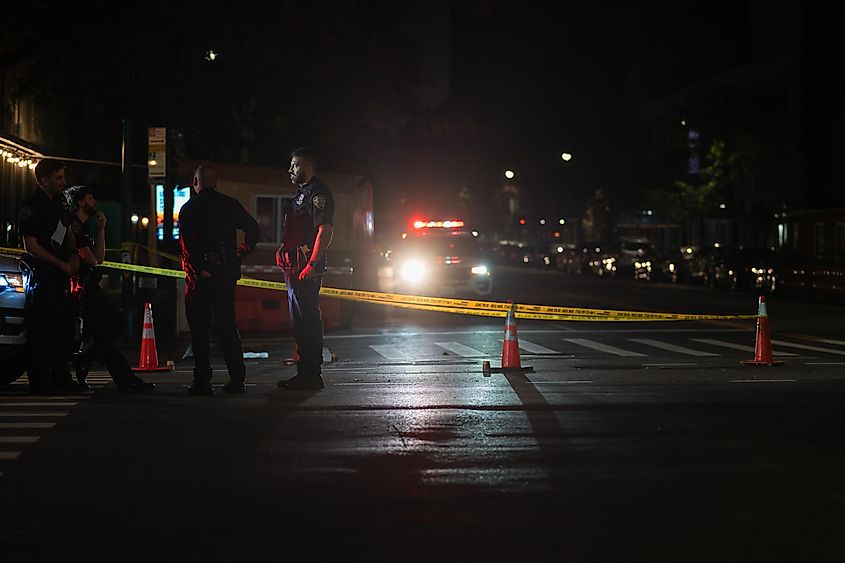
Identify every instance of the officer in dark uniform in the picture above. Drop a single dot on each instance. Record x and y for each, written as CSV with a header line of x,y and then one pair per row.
x,y
302,257
208,225
50,258
102,321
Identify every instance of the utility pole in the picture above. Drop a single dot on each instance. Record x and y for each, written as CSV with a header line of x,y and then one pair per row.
x,y
126,182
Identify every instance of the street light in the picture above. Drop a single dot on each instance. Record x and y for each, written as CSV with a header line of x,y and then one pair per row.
x,y
566,156
134,218
145,221
509,174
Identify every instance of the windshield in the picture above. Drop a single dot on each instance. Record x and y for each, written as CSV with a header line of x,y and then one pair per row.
x,y
443,246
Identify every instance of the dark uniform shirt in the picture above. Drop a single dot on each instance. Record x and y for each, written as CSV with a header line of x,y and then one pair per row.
x,y
86,273
47,220
208,225
312,206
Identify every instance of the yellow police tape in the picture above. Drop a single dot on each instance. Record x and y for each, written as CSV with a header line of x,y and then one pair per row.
x,y
458,306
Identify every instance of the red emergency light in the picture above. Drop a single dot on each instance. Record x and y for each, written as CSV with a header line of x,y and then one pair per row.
x,y
448,224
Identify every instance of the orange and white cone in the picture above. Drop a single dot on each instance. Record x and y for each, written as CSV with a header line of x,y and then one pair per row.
x,y
763,347
510,346
149,354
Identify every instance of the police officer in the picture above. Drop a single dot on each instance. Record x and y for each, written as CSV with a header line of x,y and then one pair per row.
x,y
50,258
302,257
102,321
208,225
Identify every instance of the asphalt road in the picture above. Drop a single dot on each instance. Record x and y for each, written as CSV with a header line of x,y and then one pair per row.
x,y
628,442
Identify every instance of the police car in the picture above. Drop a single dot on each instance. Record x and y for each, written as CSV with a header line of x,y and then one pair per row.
x,y
438,258
12,333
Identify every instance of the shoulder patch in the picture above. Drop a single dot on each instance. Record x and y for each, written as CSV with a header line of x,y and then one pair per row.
x,y
319,201
25,213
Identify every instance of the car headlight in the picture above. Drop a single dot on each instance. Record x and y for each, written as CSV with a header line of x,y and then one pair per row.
x,y
480,271
12,280
413,271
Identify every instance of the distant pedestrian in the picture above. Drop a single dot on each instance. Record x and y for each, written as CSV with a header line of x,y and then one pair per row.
x,y
102,321
49,261
302,257
211,258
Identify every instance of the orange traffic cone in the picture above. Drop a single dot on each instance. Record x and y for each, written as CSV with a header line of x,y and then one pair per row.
x,y
763,347
510,346
149,355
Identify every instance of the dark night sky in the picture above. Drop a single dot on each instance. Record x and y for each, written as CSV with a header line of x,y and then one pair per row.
x,y
526,81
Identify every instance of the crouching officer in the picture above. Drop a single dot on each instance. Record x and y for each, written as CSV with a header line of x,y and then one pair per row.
x,y
302,257
208,225
50,259
102,321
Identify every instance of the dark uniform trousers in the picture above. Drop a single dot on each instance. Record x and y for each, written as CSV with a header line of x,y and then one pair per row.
x,y
104,323
304,308
48,318
218,296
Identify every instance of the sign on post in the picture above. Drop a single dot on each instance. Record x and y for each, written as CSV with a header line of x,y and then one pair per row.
x,y
157,159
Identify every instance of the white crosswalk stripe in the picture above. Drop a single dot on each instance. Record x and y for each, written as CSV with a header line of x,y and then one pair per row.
x,y
32,414
44,404
460,349
603,347
389,352
19,439
735,346
26,425
808,347
529,346
672,347
830,341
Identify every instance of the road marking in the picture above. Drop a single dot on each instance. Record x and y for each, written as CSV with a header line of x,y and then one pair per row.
x,y
389,352
32,414
733,346
603,347
672,347
573,382
19,439
38,404
530,331
816,339
763,380
536,348
460,349
807,347
668,365
26,425
9,455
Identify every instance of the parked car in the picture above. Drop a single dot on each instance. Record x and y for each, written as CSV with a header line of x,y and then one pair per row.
x,y
674,266
568,258
12,333
758,270
599,258
715,265
646,266
632,249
